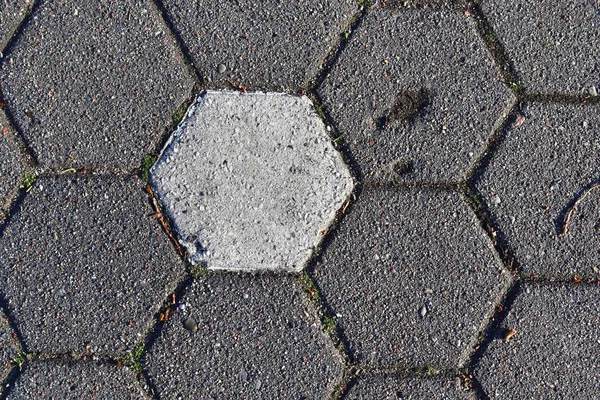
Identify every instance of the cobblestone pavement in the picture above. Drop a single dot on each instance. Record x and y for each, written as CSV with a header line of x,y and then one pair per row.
x,y
412,211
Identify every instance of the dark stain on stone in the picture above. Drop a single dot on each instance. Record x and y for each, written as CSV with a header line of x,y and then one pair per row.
x,y
402,167
407,105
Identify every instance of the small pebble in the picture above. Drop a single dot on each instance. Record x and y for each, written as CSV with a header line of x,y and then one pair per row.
x,y
243,375
423,311
593,91
496,200
428,291
258,385
190,325
554,186
221,68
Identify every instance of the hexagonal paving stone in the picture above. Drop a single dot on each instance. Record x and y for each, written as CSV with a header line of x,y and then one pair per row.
x,y
552,45
415,94
541,187
412,278
77,380
11,14
94,85
251,181
84,266
554,352
391,387
267,43
247,337
11,167
9,347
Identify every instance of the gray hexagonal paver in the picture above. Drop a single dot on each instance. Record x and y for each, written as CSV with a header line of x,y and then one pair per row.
x,y
9,347
252,337
251,181
412,278
392,388
415,94
541,188
267,43
554,352
552,45
11,14
94,84
11,167
76,380
84,266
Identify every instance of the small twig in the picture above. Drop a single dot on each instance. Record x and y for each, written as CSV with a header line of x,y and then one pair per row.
x,y
163,222
237,86
568,214
345,207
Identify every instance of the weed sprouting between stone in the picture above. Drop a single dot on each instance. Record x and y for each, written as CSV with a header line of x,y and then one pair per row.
x,y
28,181
133,359
147,162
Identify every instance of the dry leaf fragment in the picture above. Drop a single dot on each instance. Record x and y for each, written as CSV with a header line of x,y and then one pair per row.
x,y
509,334
520,120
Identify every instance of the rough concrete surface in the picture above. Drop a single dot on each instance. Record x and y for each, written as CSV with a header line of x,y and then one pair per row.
x,y
554,351
542,189
75,381
268,43
395,388
411,277
84,266
11,14
252,337
552,45
11,165
94,84
415,94
9,346
251,181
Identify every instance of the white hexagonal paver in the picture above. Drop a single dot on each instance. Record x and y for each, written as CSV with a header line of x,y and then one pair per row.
x,y
250,181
